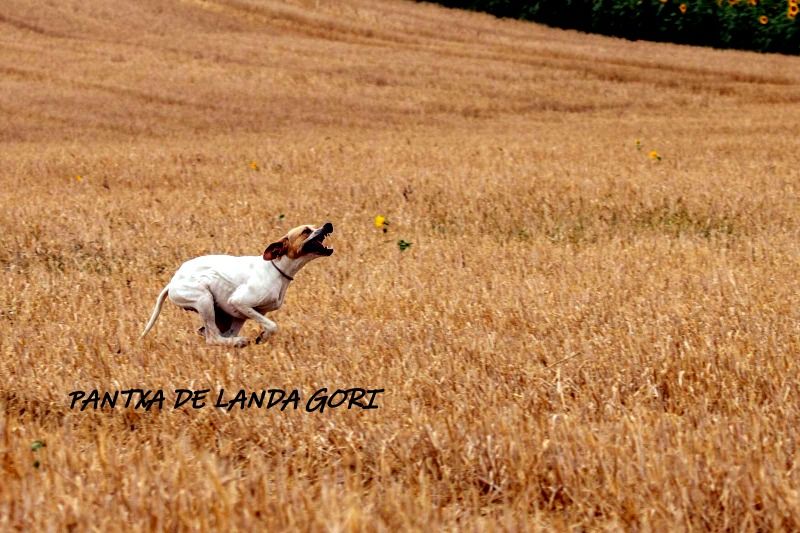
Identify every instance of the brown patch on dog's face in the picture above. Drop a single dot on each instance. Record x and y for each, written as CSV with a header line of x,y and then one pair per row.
x,y
300,241
295,239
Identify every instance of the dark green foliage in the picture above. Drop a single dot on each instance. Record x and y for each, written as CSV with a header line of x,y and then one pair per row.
x,y
723,24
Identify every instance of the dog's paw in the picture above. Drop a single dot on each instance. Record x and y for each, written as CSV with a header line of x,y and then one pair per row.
x,y
262,337
241,342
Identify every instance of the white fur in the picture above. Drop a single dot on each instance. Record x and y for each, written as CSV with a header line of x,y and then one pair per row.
x,y
243,287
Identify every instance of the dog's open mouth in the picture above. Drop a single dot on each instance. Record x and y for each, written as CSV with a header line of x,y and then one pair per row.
x,y
315,244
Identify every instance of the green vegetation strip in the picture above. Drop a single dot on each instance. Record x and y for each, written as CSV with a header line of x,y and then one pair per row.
x,y
761,25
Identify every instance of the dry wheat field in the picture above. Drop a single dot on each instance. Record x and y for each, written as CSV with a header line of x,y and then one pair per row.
x,y
595,327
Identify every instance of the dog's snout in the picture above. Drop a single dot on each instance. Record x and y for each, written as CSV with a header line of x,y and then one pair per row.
x,y
327,227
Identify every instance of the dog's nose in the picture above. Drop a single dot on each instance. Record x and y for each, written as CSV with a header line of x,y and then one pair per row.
x,y
328,227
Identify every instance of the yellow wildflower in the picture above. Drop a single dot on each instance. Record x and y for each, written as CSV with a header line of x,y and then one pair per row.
x,y
254,165
654,155
763,19
79,178
682,7
792,12
380,221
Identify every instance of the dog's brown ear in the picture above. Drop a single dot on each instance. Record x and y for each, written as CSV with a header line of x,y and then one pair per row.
x,y
276,249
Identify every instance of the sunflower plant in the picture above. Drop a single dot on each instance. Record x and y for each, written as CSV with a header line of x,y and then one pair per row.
x,y
761,25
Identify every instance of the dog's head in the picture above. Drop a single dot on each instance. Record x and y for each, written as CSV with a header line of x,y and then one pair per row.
x,y
301,242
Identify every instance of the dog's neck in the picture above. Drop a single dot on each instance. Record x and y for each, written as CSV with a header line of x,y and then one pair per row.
x,y
287,268
282,273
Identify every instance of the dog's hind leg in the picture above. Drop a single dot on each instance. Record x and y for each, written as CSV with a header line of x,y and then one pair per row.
x,y
228,325
206,308
222,319
236,326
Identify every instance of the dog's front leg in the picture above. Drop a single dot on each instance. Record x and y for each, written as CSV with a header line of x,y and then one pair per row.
x,y
268,327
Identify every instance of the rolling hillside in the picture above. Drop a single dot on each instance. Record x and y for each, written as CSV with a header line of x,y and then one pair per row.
x,y
596,324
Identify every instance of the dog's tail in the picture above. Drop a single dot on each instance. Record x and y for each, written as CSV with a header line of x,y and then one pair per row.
x,y
156,311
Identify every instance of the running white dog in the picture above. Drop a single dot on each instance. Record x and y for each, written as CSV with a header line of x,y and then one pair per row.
x,y
226,290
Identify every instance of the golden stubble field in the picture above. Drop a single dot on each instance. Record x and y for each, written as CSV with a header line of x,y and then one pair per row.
x,y
580,336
